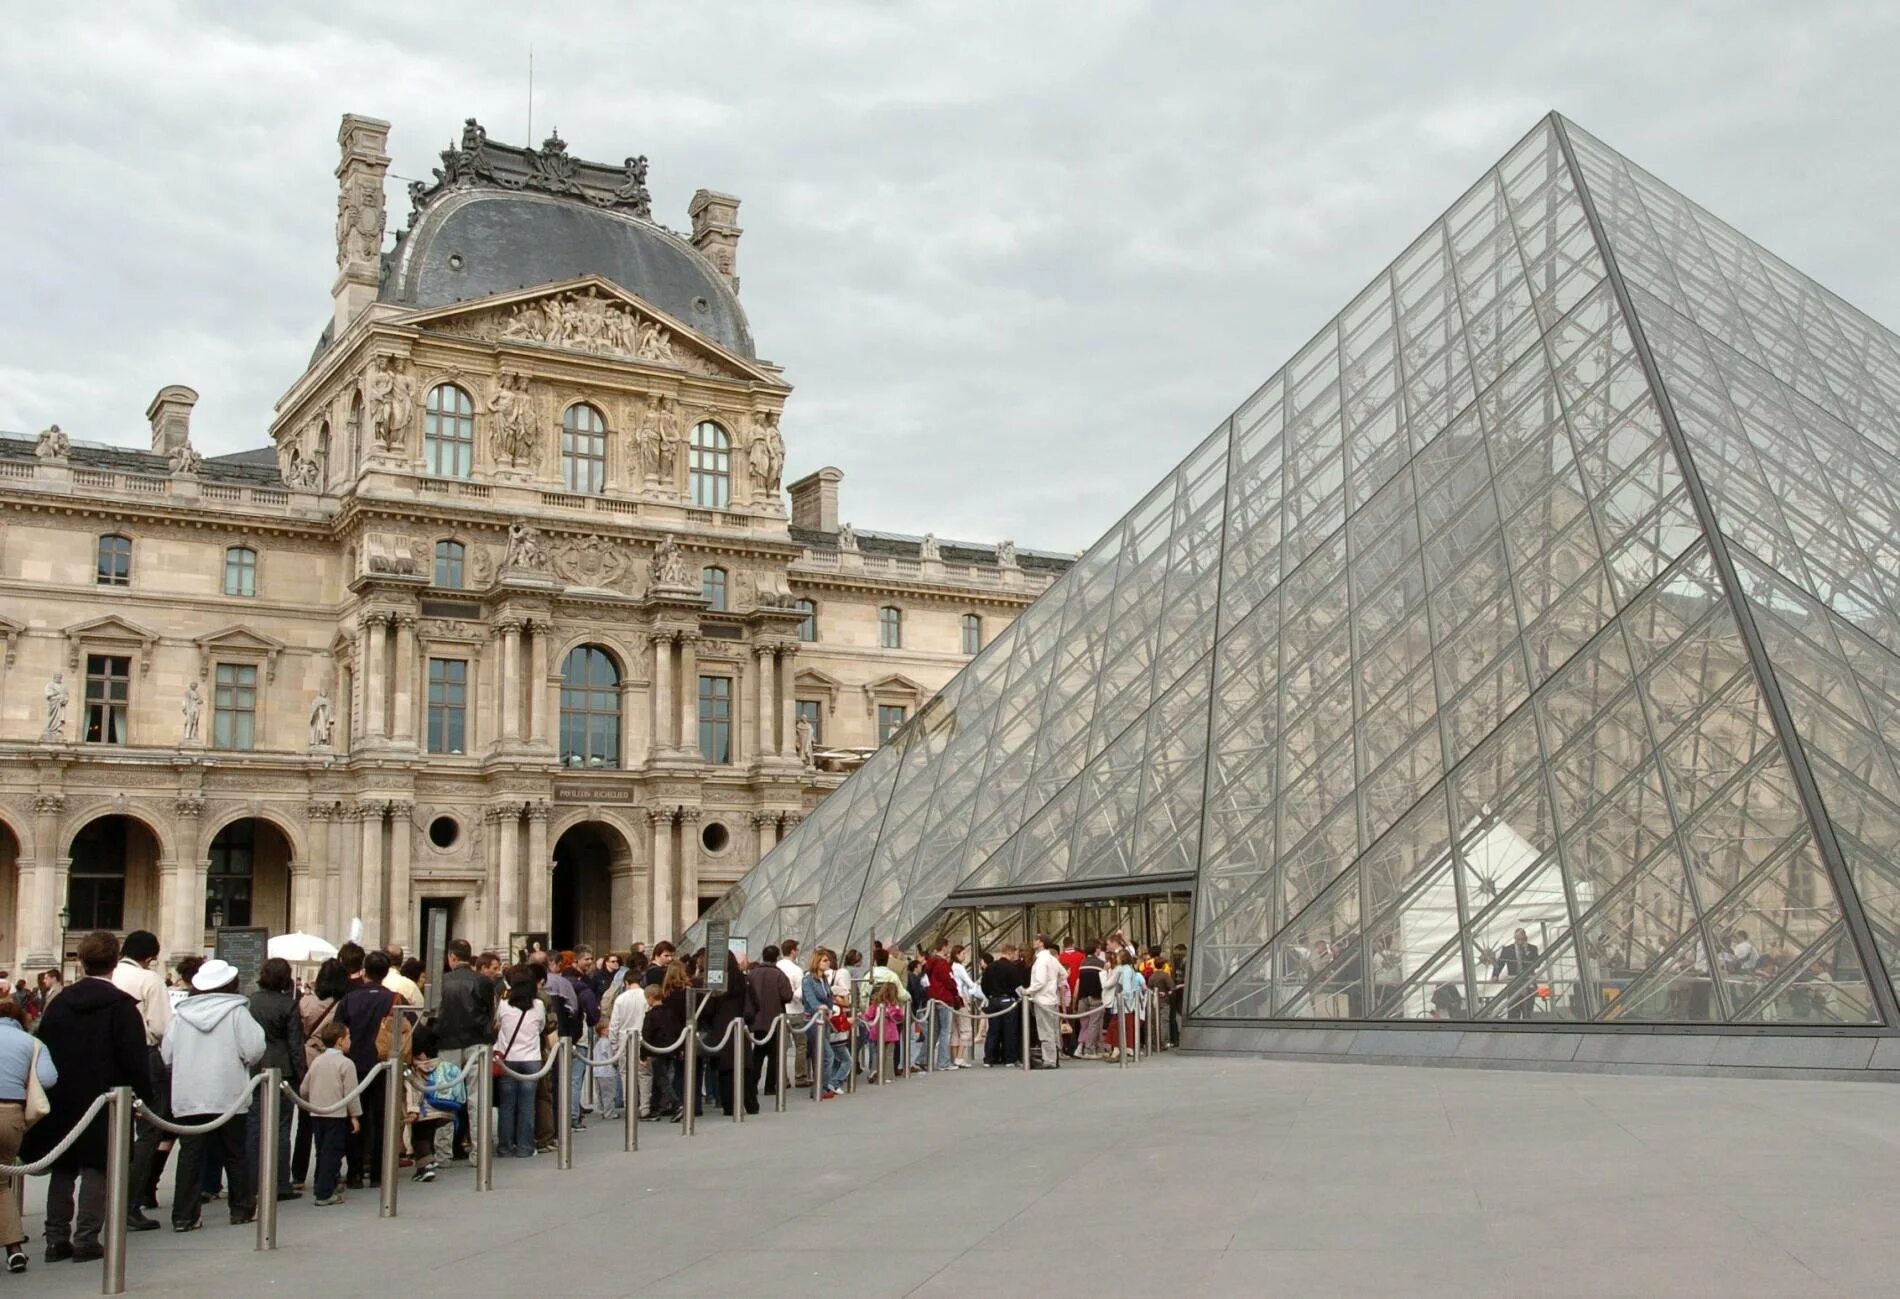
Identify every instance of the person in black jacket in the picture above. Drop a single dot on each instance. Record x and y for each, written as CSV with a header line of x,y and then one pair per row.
x,y
274,1007
363,1009
1001,978
465,1015
738,1002
770,991
97,1040
665,1023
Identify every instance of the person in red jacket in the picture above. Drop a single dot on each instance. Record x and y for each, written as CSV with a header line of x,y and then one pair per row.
x,y
943,1001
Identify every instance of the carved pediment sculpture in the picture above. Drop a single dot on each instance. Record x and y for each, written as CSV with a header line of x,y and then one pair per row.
x,y
593,562
592,317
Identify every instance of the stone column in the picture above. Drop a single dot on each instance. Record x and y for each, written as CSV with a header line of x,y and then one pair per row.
x,y
787,701
405,721
401,925
689,692
375,676
689,867
309,888
662,690
765,668
540,867
538,706
632,742
188,868
345,892
664,917
509,629
39,906
767,822
369,900
508,873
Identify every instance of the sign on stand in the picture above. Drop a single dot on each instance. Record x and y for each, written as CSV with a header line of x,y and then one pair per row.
x,y
244,946
718,936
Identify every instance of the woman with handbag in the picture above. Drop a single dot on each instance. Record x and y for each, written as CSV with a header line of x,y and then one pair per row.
x,y
826,1021
26,1071
518,1024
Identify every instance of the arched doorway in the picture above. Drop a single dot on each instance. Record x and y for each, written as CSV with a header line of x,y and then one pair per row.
x,y
248,881
590,895
10,939
113,880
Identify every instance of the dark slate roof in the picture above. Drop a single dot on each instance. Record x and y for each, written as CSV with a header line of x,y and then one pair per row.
x,y
907,546
250,468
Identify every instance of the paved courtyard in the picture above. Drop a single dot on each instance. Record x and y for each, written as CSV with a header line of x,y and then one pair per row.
x,y
1187,1176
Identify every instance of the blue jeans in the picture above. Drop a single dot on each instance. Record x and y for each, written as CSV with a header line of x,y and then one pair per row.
x,y
944,1015
514,1104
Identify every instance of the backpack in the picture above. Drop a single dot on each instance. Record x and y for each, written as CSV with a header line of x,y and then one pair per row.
x,y
385,1035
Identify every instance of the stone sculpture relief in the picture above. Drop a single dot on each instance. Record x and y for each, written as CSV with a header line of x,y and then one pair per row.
x,y
57,697
192,709
53,445
524,547
765,454
592,561
667,567
847,538
513,440
1006,554
927,549
185,459
392,400
322,718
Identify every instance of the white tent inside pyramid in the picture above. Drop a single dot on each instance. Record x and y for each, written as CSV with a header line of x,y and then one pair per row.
x,y
1553,586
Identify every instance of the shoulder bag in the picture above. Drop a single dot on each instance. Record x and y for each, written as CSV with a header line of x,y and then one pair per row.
x,y
37,1106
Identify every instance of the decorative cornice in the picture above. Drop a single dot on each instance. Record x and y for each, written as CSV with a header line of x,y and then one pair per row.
x,y
479,164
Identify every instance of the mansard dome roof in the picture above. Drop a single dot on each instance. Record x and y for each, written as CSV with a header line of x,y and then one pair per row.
x,y
501,218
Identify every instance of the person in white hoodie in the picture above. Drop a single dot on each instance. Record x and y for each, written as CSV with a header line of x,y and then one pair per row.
x,y
211,1046
1046,977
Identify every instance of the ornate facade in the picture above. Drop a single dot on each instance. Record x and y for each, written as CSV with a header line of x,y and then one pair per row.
x,y
510,628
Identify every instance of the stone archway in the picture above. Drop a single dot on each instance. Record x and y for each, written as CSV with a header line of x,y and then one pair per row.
x,y
249,879
10,907
112,881
591,894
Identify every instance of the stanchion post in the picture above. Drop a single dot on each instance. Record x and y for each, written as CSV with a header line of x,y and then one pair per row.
x,y
689,1083
481,1133
851,1042
787,1060
392,1116
930,1036
563,1116
631,1114
1121,1039
1027,1034
268,1116
741,1048
818,1029
118,1188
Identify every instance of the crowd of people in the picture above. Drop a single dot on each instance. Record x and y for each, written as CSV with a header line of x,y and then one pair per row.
x,y
191,1046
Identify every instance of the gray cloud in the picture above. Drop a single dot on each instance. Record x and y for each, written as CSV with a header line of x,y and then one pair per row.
x,y
1017,259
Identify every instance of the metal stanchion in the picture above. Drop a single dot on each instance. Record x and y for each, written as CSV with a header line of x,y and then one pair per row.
x,y
930,1036
851,1043
1121,1035
118,1188
819,1031
392,1117
787,1059
268,1116
1028,1034
741,1048
481,1133
563,1116
689,1087
631,1116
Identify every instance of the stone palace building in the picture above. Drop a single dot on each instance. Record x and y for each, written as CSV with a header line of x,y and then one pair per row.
x,y
508,630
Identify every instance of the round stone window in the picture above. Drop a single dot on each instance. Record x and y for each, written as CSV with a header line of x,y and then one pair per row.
x,y
444,831
715,838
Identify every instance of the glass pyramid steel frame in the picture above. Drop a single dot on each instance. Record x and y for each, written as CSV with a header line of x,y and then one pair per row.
x,y
1554,587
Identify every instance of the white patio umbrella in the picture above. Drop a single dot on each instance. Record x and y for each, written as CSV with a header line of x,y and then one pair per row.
x,y
299,948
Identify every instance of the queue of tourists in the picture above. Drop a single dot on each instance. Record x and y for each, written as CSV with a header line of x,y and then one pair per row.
x,y
189,1046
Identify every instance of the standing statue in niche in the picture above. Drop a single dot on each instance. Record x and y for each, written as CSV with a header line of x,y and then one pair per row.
x,y
322,719
56,699
513,410
802,741
765,455
392,398
648,439
193,709
671,438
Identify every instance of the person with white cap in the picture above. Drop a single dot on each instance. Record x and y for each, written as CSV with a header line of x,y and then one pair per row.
x,y
211,1046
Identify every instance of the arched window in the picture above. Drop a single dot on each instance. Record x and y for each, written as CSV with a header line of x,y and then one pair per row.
x,y
709,480
584,450
712,586
353,436
890,627
448,432
972,633
590,708
808,627
448,564
240,571
324,468
115,560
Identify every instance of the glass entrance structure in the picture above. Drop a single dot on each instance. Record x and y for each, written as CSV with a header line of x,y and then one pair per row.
x,y
1525,655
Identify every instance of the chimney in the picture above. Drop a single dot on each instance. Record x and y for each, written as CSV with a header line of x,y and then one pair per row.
x,y
359,217
716,231
170,414
815,500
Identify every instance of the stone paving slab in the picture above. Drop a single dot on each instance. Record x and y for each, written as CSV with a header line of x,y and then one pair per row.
x,y
1191,1175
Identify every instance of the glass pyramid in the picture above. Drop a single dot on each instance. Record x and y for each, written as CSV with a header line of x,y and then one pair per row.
x,y
1554,587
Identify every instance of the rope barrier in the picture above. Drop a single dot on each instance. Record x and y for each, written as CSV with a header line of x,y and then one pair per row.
x,y
242,1103
331,1111
66,1143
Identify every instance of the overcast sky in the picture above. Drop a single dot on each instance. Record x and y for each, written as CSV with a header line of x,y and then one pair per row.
x,y
1016,258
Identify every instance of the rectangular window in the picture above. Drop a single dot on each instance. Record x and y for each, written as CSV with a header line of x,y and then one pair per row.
x,y
448,705
972,633
234,706
584,461
108,694
890,628
813,711
240,571
890,717
715,719
115,561
808,626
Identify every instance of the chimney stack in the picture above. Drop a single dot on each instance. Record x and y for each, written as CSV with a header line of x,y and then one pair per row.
x,y
716,231
815,500
170,414
360,217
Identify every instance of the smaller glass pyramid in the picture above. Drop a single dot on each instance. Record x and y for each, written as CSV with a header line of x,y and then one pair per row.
x,y
1527,648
